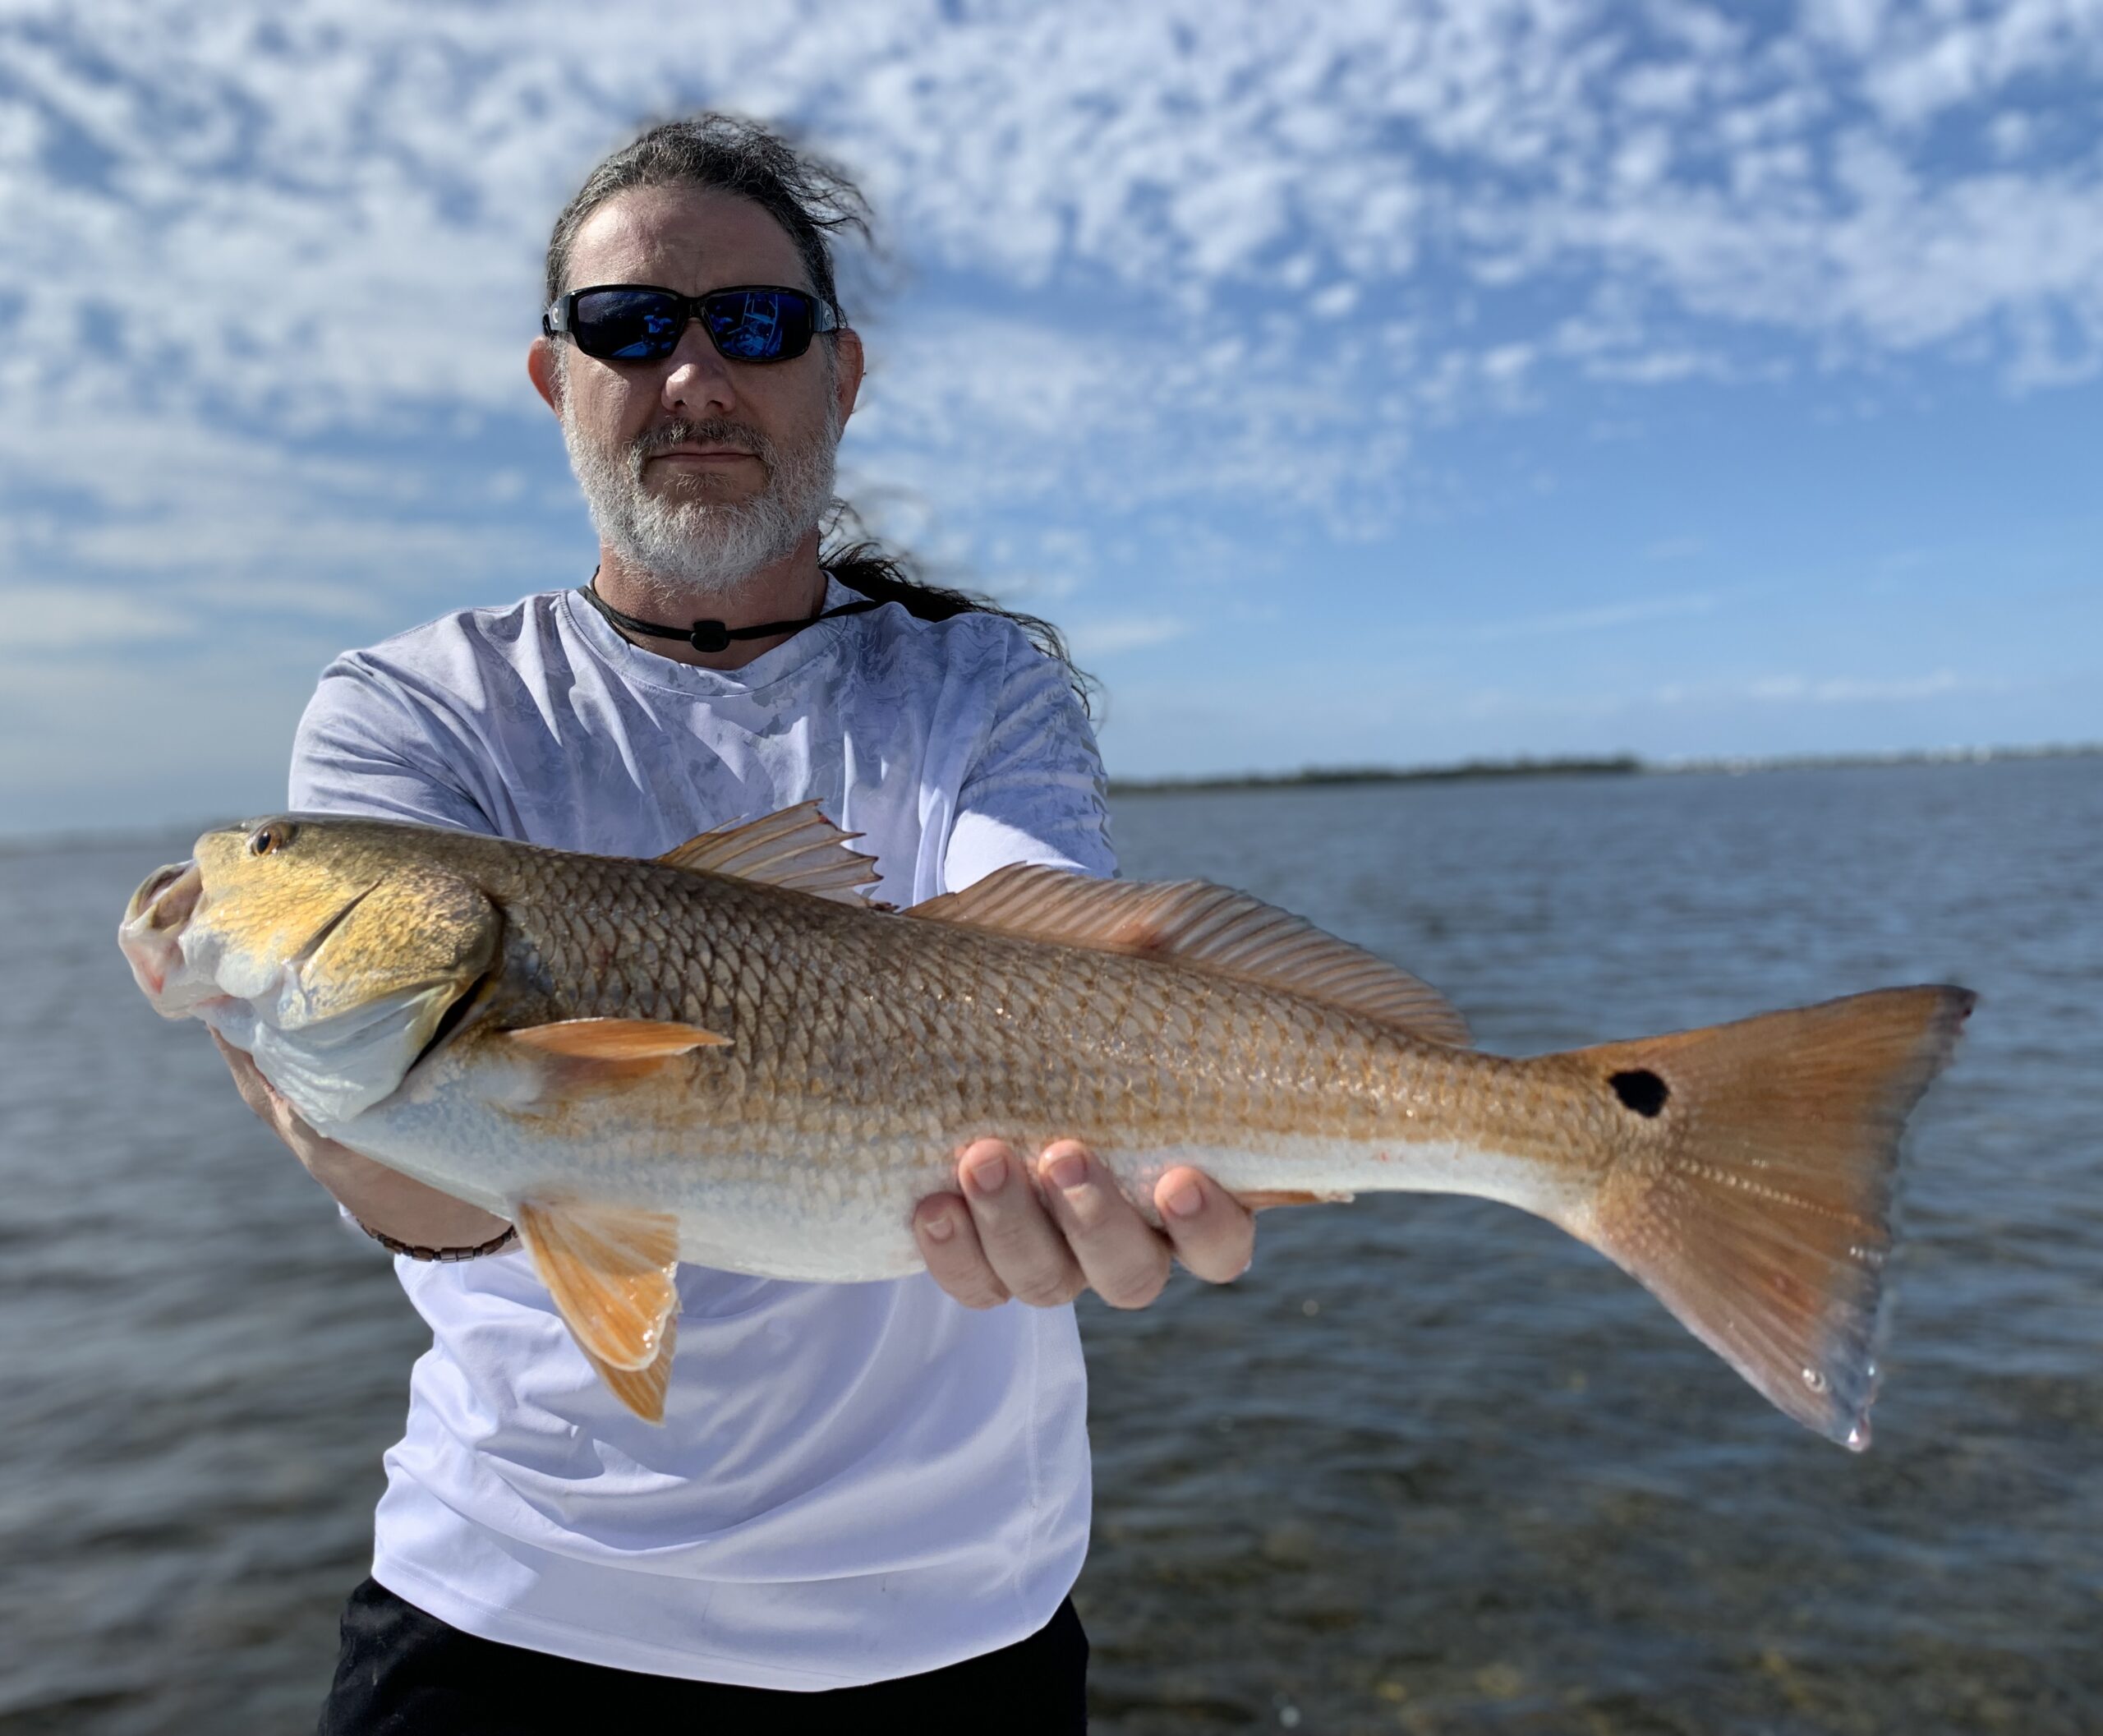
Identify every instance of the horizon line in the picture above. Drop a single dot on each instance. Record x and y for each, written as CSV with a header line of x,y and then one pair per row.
x,y
1605,765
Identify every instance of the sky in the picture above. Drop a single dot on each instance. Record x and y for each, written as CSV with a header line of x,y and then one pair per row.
x,y
1394,383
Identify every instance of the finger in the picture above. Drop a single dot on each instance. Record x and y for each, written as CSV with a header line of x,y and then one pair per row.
x,y
1123,1258
1025,1248
949,1243
1214,1234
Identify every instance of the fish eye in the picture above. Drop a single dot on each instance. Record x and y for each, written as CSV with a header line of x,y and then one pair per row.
x,y
273,836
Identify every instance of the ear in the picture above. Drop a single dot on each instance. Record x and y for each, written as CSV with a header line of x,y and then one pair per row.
x,y
542,370
847,372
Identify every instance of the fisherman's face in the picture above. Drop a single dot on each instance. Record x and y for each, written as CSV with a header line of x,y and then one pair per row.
x,y
698,469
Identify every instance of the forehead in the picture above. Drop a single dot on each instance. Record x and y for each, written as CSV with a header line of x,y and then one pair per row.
x,y
691,239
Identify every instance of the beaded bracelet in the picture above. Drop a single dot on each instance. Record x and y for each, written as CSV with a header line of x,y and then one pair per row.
x,y
494,1245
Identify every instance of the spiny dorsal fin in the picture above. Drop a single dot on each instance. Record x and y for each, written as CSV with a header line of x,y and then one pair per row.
x,y
1209,927
797,848
610,1270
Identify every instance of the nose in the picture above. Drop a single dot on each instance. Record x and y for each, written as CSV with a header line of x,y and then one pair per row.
x,y
697,381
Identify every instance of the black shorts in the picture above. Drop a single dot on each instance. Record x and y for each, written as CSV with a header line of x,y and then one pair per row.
x,y
403,1673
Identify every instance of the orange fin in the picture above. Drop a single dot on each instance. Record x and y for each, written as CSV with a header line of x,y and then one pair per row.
x,y
584,1053
617,1039
1752,1188
1207,927
643,1389
797,848
1262,1199
610,1270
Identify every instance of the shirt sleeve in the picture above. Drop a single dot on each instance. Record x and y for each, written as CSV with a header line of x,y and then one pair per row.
x,y
1037,792
364,747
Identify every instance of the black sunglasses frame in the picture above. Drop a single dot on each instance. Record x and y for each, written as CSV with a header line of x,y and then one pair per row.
x,y
561,319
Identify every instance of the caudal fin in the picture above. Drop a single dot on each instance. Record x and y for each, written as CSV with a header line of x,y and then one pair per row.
x,y
1753,1191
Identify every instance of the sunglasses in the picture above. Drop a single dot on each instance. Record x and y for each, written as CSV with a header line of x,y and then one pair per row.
x,y
637,322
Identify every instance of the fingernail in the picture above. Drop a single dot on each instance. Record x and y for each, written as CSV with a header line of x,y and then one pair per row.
x,y
940,1227
1067,1171
1186,1200
989,1175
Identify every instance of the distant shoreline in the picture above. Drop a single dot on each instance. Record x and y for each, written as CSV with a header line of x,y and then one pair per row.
x,y
13,843
1613,765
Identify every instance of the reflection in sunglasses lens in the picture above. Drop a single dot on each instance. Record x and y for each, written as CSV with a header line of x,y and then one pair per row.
x,y
747,327
644,326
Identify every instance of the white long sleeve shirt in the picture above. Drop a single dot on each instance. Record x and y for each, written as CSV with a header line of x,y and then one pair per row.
x,y
860,1482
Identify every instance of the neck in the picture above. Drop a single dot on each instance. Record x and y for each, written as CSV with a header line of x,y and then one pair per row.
x,y
790,589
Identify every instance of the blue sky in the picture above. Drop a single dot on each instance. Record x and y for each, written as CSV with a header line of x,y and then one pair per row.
x,y
1356,383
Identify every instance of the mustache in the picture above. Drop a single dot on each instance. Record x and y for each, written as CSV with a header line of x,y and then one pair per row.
x,y
714,431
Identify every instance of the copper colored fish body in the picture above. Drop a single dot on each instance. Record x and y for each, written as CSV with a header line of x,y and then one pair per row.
x,y
726,1056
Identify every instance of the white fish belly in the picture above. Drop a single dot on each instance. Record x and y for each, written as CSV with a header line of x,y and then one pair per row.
x,y
842,1220
846,1216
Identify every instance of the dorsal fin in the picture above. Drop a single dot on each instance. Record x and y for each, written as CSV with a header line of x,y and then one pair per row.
x,y
1210,927
797,848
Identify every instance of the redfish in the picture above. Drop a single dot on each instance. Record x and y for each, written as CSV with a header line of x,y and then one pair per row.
x,y
729,1055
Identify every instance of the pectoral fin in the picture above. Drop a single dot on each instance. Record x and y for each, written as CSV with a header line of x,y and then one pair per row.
x,y
610,1270
586,1052
617,1039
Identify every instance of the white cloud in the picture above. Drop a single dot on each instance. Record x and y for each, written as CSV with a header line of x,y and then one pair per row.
x,y
1829,690
1854,690
270,268
1108,635
39,621
332,214
1554,623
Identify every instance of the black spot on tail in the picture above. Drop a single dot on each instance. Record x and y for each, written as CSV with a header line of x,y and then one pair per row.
x,y
1641,1090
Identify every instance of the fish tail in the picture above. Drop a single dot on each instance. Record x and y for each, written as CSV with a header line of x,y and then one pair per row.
x,y
1751,1189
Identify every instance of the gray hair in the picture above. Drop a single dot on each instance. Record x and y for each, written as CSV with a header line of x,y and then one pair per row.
x,y
811,198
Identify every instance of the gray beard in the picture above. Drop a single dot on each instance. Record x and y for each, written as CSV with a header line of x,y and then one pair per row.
x,y
702,550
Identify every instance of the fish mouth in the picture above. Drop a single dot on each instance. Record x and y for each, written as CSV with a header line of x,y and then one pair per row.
x,y
151,933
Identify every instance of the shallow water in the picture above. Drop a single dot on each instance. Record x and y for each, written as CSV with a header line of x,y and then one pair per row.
x,y
1431,1467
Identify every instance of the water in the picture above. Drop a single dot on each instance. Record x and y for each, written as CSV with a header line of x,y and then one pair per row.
x,y
1431,1467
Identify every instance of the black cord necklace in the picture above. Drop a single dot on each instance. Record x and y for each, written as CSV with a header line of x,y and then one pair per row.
x,y
706,636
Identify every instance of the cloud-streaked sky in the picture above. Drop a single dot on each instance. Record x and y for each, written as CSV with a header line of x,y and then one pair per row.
x,y
1355,383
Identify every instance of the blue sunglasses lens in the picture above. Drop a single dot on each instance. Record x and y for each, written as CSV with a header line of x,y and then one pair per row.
x,y
627,324
759,325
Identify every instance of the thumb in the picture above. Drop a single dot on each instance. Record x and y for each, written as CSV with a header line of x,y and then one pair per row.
x,y
256,1091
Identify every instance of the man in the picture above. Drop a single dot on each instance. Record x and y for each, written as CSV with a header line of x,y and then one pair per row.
x,y
869,1502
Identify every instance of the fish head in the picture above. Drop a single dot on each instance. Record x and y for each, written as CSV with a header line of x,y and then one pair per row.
x,y
329,949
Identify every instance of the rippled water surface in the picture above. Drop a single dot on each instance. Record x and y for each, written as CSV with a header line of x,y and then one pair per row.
x,y
1430,1467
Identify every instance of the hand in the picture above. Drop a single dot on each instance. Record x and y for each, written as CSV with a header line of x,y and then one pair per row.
x,y
379,1198
1044,1245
